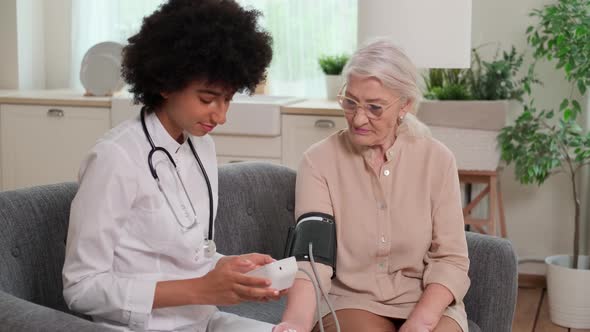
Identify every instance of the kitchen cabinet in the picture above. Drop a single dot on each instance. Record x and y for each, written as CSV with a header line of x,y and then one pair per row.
x,y
299,132
44,135
238,148
42,144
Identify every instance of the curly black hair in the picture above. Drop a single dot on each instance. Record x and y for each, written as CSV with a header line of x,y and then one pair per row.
x,y
186,40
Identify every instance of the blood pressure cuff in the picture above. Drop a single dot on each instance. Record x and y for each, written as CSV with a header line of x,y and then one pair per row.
x,y
320,230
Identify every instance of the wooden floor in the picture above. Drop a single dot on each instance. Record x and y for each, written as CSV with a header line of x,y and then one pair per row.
x,y
532,313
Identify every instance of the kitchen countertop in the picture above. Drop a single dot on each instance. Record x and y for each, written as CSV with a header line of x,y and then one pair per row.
x,y
68,97
52,97
313,107
5,92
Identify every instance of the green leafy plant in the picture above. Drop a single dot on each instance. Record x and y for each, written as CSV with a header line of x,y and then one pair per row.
x,y
333,64
447,84
544,142
498,80
484,80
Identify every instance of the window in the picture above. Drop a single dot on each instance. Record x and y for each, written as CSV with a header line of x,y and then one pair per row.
x,y
302,31
95,21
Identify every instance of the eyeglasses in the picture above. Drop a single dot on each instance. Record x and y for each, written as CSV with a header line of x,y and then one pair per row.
x,y
372,110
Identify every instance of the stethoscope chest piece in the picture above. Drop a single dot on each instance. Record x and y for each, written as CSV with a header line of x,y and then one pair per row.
x,y
210,248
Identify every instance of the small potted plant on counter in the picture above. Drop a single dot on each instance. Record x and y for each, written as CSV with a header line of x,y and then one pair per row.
x,y
332,67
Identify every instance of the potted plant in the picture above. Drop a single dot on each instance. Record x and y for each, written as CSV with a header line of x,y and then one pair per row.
x,y
332,66
544,142
479,97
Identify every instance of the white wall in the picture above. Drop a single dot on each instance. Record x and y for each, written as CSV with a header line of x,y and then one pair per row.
x,y
35,37
8,38
57,43
405,24
22,60
31,44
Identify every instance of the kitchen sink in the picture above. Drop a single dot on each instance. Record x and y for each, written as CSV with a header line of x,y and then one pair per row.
x,y
257,115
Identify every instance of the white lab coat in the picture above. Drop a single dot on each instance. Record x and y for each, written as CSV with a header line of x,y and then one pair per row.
x,y
123,237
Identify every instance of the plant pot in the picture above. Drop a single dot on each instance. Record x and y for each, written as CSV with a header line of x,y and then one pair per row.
x,y
569,291
333,85
469,129
468,114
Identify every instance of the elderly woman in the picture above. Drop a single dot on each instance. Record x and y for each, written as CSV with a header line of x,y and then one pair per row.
x,y
394,193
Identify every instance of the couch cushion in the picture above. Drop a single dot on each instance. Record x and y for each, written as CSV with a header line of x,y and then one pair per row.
x,y
256,202
473,327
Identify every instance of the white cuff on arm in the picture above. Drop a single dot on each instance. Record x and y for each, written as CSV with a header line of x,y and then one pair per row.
x,y
140,300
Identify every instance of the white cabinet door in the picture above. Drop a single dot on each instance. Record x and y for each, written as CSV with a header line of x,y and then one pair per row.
x,y
248,146
302,131
45,144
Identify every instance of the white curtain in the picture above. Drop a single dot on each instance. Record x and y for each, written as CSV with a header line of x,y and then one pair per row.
x,y
302,31
95,21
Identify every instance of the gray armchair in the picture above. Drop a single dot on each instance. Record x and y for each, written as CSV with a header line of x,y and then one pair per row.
x,y
255,208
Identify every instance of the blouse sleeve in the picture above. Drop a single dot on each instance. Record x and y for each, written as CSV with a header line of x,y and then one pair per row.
x,y
446,260
312,195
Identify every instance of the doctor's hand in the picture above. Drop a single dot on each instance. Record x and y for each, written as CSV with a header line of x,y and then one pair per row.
x,y
260,260
257,260
227,283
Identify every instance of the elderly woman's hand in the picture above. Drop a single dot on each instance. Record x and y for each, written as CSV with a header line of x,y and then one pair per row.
x,y
414,325
288,327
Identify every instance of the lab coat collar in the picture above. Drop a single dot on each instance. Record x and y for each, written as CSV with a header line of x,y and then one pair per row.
x,y
160,135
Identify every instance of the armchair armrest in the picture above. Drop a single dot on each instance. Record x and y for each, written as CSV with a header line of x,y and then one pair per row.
x,y
491,299
19,315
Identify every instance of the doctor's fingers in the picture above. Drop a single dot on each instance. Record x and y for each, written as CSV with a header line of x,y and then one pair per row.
x,y
240,264
246,263
254,293
250,281
258,259
278,297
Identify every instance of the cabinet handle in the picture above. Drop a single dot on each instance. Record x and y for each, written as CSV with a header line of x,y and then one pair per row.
x,y
325,124
55,112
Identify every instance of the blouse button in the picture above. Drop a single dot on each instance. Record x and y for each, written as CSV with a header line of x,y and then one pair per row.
x,y
386,172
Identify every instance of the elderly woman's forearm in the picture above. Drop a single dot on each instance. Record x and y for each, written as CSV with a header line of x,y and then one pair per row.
x,y
433,303
301,304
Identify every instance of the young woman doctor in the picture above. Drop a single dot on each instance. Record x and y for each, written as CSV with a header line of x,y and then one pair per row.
x,y
140,253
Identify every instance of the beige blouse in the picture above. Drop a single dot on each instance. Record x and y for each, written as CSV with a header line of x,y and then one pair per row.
x,y
397,230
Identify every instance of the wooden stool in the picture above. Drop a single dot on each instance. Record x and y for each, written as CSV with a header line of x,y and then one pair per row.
x,y
493,191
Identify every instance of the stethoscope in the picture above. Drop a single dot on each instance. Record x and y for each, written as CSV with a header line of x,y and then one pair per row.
x,y
209,246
